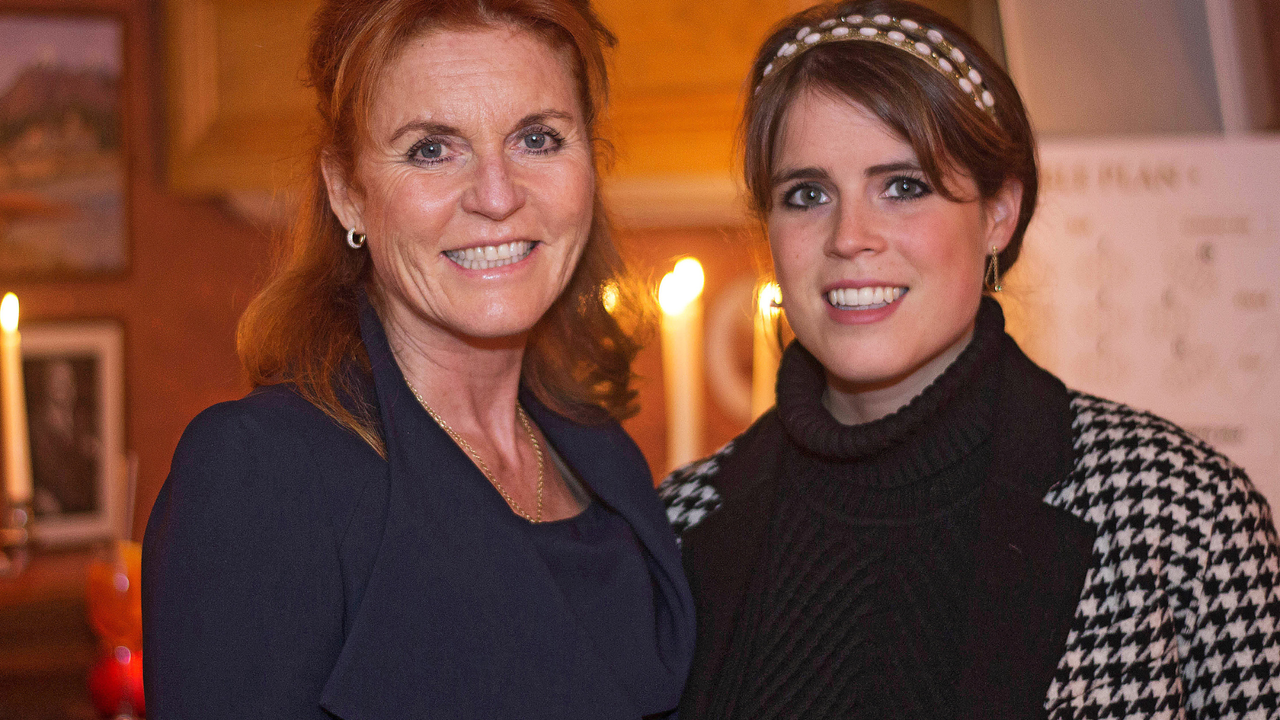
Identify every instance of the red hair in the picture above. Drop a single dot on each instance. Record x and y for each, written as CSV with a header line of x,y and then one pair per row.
x,y
303,327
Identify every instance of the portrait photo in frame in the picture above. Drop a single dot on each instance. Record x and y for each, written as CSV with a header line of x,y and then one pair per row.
x,y
63,200
73,374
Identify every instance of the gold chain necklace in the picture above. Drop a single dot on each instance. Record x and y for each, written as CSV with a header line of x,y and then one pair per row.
x,y
493,480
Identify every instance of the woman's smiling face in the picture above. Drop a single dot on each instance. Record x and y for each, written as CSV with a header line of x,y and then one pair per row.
x,y
880,274
475,184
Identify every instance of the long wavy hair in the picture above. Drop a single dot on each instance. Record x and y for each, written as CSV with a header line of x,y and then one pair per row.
x,y
302,328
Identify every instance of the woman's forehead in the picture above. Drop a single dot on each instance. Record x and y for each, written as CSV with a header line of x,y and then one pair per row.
x,y
453,75
819,124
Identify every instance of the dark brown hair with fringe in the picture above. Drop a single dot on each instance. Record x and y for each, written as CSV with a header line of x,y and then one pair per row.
x,y
303,328
923,106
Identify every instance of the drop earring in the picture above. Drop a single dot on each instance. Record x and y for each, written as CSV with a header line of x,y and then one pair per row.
x,y
355,240
993,271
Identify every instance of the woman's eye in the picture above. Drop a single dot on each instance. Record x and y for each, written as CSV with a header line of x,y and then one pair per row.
x,y
905,188
807,196
429,150
539,141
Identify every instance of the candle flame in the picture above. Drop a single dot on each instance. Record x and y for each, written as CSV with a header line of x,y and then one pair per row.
x,y
681,286
609,297
9,312
769,299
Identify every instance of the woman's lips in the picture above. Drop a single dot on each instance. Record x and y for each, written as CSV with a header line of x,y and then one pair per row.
x,y
486,257
864,298
864,305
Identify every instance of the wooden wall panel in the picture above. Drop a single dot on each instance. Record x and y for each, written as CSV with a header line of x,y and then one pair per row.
x,y
679,72
237,110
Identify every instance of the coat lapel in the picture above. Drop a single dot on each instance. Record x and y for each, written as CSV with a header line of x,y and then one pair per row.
x,y
460,613
1031,558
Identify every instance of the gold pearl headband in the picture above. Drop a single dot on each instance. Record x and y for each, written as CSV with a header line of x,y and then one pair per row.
x,y
926,43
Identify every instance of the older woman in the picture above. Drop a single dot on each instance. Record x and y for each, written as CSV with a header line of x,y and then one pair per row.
x,y
928,525
426,509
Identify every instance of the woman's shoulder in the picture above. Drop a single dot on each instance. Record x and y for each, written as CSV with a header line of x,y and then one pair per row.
x,y
694,491
1111,438
1135,468
268,415
272,444
689,492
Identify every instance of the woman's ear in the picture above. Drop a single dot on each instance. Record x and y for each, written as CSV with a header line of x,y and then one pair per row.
x,y
1001,214
344,200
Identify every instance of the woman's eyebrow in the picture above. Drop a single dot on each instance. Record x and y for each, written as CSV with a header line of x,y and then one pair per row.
x,y
425,128
805,173
543,116
875,170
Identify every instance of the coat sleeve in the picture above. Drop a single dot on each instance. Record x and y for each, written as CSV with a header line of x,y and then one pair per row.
x,y
1232,663
242,589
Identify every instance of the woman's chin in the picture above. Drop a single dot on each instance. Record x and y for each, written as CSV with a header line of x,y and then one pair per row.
x,y
864,378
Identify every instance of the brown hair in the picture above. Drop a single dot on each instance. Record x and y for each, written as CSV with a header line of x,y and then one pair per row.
x,y
942,124
303,326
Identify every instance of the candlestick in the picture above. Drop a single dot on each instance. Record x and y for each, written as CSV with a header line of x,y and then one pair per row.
x,y
679,296
13,418
764,349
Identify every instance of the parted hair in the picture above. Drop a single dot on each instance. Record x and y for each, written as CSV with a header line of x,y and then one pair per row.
x,y
303,327
947,132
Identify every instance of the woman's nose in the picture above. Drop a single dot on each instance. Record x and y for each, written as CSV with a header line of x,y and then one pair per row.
x,y
856,231
494,192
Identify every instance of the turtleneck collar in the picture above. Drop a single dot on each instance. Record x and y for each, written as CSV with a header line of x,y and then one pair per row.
x,y
811,427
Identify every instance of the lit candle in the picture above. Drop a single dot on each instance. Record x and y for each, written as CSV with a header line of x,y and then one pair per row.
x,y
13,418
679,296
764,346
609,297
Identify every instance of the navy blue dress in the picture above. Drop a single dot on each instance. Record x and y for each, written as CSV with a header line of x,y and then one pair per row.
x,y
599,564
289,571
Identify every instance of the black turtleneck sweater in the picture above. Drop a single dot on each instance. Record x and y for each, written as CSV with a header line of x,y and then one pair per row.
x,y
857,607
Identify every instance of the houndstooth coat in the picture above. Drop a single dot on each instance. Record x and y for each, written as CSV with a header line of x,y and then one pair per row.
x,y
1125,568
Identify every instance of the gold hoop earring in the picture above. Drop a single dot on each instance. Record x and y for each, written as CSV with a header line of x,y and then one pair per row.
x,y
993,271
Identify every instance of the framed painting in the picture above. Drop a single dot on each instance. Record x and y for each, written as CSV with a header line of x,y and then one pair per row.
x,y
63,203
73,374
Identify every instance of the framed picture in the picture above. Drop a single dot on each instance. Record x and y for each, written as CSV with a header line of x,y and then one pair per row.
x,y
62,162
73,374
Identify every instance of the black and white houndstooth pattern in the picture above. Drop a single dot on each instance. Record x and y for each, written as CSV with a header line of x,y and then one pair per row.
x,y
687,491
1180,615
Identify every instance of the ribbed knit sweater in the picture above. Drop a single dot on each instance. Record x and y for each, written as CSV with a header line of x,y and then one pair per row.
x,y
857,607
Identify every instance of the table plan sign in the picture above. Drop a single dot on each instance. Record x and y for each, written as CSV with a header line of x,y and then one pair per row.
x,y
1151,276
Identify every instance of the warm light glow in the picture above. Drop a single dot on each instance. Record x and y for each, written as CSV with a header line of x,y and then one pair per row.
x,y
9,312
769,299
609,297
681,286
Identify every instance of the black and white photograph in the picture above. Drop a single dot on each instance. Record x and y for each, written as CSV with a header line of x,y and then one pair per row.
x,y
73,385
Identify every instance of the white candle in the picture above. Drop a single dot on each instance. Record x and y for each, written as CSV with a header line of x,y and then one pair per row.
x,y
13,406
764,347
679,296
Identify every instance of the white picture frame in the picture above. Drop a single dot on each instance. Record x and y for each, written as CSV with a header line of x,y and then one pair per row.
x,y
73,376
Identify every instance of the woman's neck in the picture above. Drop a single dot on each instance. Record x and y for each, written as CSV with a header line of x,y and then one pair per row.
x,y
855,404
472,383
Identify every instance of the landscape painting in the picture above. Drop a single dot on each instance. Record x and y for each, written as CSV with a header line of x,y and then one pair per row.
x,y
62,162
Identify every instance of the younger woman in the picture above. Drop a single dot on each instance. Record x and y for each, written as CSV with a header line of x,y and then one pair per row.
x,y
929,525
